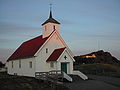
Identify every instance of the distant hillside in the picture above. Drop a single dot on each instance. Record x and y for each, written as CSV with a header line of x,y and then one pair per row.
x,y
97,57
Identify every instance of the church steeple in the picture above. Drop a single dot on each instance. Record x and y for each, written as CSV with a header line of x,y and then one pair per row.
x,y
50,11
50,25
50,14
51,19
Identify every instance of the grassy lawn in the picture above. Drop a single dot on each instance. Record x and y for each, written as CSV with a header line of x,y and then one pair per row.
x,y
9,82
99,69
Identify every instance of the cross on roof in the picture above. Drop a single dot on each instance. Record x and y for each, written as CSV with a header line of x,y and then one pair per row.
x,y
65,57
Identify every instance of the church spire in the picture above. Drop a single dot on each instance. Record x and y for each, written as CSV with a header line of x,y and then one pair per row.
x,y
50,11
50,25
51,19
50,14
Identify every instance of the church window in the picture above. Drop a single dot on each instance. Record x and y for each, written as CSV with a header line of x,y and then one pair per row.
x,y
46,50
45,28
52,65
30,64
12,64
19,63
54,27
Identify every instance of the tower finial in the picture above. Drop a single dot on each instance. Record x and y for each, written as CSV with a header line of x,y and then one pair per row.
x,y
50,6
50,10
50,18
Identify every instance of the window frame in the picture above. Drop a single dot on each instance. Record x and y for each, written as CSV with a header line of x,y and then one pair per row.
x,y
30,64
19,63
54,27
46,50
52,64
45,28
12,64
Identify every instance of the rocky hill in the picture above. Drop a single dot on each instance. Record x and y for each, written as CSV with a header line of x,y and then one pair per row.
x,y
97,57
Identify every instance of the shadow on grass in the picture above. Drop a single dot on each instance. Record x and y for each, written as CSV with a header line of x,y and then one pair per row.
x,y
11,82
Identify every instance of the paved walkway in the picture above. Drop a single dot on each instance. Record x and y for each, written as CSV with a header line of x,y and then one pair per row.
x,y
94,83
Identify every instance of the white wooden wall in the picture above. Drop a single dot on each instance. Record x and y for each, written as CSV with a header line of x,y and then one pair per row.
x,y
25,70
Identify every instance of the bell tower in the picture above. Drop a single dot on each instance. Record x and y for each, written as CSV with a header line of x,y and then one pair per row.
x,y
50,25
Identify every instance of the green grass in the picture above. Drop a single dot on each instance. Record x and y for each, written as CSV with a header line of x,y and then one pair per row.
x,y
10,82
99,69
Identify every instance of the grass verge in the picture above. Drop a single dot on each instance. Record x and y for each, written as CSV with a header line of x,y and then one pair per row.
x,y
99,69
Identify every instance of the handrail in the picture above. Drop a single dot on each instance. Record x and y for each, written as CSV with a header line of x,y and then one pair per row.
x,y
80,74
67,77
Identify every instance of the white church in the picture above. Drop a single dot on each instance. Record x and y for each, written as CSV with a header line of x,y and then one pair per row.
x,y
44,53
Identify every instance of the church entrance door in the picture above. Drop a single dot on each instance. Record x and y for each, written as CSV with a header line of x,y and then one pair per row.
x,y
64,67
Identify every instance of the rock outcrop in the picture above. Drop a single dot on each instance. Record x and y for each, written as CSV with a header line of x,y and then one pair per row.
x,y
97,57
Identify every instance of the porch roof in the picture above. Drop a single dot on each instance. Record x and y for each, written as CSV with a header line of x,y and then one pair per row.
x,y
55,55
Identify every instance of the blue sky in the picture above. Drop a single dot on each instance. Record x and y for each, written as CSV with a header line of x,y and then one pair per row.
x,y
86,25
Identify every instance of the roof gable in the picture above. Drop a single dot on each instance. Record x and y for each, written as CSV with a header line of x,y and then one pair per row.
x,y
28,48
56,54
60,38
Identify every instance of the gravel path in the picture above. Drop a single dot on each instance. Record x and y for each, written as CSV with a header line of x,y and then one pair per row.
x,y
94,83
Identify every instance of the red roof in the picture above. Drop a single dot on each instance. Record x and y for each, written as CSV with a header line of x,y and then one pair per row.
x,y
56,54
28,48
